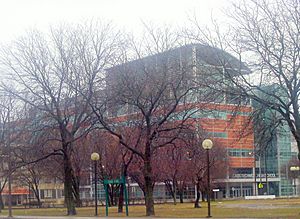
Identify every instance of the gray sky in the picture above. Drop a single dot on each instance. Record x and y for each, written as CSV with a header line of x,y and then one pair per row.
x,y
18,15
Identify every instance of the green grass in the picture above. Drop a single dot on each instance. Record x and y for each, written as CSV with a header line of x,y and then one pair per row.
x,y
279,208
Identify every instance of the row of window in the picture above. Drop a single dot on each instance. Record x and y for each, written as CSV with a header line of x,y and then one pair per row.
x,y
218,134
211,114
49,193
234,152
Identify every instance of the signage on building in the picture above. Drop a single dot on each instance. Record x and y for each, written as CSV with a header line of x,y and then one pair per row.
x,y
244,175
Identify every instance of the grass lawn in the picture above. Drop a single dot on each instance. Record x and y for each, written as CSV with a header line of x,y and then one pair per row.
x,y
279,208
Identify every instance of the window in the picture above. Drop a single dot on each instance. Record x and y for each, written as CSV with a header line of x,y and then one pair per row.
x,y
217,115
54,193
60,193
46,193
218,134
235,152
242,170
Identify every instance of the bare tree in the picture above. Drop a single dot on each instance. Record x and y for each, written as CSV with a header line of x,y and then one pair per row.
x,y
30,177
56,74
193,163
217,162
145,102
35,159
265,35
174,166
12,128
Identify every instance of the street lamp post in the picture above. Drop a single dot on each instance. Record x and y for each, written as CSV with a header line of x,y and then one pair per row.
x,y
95,157
207,144
293,169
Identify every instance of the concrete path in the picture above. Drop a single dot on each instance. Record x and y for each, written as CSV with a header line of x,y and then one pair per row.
x,y
72,217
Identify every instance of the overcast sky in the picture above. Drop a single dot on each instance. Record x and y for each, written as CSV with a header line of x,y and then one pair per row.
x,y
18,15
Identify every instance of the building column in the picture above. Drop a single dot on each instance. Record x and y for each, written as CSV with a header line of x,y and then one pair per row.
x,y
297,186
56,193
254,188
227,190
241,187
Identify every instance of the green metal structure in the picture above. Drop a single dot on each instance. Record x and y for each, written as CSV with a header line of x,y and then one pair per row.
x,y
121,181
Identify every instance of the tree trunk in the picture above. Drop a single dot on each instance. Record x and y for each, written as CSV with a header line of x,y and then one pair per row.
x,y
181,196
170,188
1,202
121,199
121,196
76,183
39,203
111,195
298,146
37,196
149,202
174,192
1,197
197,204
68,185
115,196
35,188
203,196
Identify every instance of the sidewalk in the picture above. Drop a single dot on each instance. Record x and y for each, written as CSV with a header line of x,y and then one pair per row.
x,y
72,217
98,217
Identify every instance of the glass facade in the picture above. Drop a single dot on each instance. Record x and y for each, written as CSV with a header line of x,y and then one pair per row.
x,y
285,154
273,154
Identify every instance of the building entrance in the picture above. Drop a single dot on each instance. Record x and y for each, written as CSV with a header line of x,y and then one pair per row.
x,y
241,192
